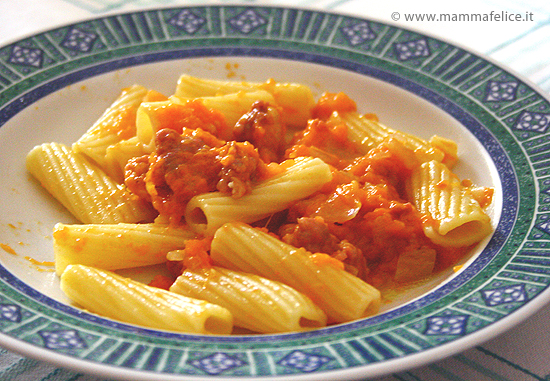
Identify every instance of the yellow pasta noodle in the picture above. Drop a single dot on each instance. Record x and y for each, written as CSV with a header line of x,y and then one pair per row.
x,y
123,299
295,99
206,212
147,123
448,147
368,133
341,295
116,246
345,204
83,188
455,216
257,303
233,105
119,153
117,123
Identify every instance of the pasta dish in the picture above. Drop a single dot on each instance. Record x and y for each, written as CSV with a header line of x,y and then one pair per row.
x,y
269,210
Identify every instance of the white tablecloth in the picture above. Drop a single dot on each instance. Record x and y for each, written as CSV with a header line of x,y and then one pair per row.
x,y
521,354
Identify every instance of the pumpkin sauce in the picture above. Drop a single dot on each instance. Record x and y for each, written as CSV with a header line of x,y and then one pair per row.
x,y
361,220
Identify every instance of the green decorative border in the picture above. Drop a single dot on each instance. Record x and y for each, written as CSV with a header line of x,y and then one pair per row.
x,y
510,118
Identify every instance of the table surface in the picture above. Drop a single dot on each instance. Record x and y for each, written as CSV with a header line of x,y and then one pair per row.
x,y
520,354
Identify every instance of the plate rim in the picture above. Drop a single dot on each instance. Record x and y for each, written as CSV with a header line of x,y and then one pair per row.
x,y
490,331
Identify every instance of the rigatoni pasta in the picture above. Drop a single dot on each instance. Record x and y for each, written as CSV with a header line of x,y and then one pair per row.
x,y
279,212
83,187
207,212
116,246
118,154
257,303
121,298
295,99
368,132
341,295
116,124
232,106
454,216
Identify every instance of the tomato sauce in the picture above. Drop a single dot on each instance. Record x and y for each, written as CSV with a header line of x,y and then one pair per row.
x,y
361,220
329,103
192,115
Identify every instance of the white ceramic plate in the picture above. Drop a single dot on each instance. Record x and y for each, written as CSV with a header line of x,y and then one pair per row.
x,y
54,85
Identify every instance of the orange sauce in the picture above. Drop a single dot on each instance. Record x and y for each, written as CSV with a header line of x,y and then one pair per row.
x,y
39,263
42,266
361,220
321,259
196,254
192,115
329,103
7,249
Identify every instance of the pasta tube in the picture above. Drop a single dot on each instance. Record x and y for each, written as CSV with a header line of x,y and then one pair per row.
x,y
147,123
455,217
368,133
448,147
117,123
123,299
207,212
118,155
192,114
115,246
295,99
233,105
83,188
257,303
341,295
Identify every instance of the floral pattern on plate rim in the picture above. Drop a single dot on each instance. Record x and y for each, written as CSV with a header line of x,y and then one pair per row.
x,y
508,117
